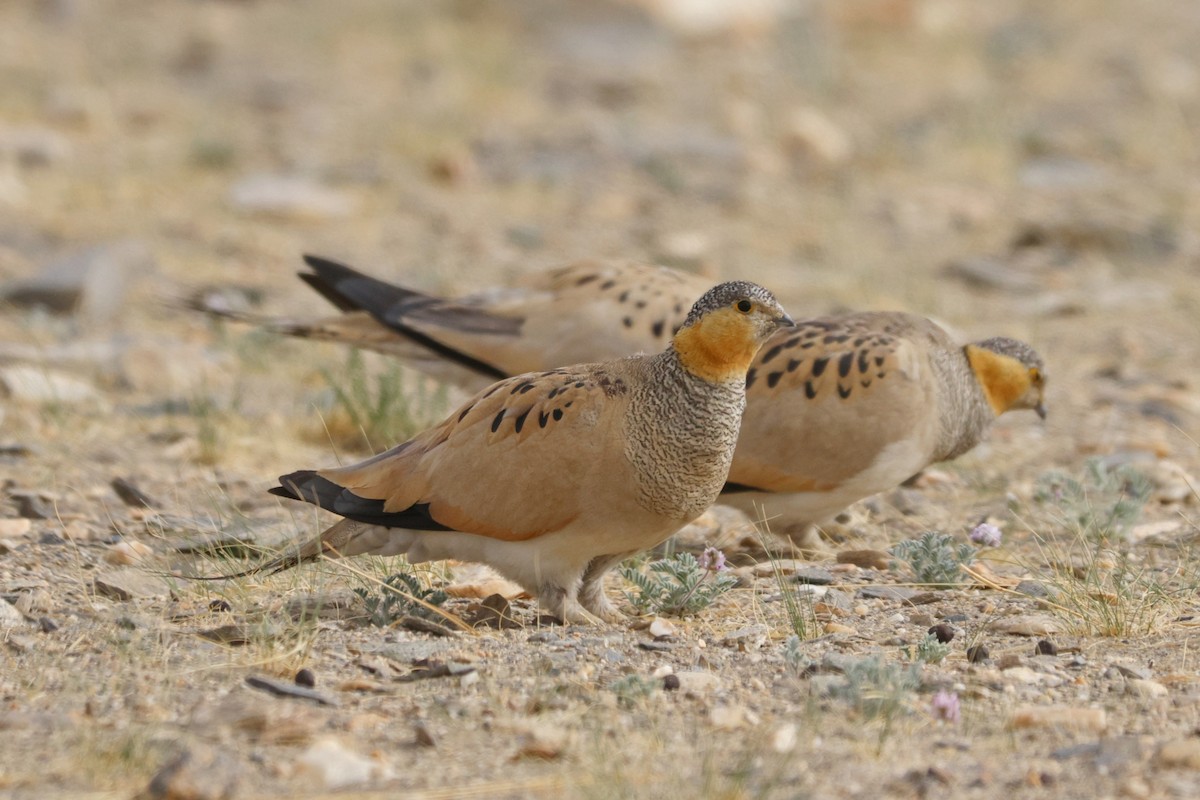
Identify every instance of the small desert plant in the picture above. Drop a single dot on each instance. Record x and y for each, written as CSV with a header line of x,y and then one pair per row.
x,y
928,651
631,690
1103,502
797,605
398,598
880,690
679,585
934,558
793,655
374,410
1106,593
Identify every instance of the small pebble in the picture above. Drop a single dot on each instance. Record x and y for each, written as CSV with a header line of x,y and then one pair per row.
x,y
305,677
422,735
1045,647
977,654
943,633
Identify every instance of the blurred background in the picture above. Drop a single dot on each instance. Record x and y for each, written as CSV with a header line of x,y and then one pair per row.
x,y
1026,168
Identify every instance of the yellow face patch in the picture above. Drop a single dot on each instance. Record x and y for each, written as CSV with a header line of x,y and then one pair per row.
x,y
719,347
1004,379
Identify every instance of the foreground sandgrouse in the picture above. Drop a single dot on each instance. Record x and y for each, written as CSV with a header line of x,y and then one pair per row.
x,y
554,477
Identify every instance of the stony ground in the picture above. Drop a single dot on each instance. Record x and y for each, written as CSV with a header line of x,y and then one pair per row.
x,y
1028,169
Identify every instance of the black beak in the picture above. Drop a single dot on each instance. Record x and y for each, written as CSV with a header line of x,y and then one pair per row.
x,y
785,322
1041,410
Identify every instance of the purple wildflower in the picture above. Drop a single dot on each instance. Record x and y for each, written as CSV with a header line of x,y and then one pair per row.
x,y
986,534
712,560
945,706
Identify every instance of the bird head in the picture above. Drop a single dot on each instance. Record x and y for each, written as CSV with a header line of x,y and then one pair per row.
x,y
1011,373
725,329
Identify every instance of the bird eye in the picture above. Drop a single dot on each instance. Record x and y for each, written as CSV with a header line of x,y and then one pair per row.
x,y
1035,375
744,306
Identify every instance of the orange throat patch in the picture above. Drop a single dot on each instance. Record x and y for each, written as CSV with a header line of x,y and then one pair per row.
x,y
719,348
1004,379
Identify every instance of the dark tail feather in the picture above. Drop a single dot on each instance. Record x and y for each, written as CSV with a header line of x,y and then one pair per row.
x,y
351,290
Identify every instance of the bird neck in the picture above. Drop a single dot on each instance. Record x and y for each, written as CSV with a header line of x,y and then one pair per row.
x,y
1004,379
717,348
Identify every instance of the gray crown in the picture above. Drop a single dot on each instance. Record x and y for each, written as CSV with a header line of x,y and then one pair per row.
x,y
726,294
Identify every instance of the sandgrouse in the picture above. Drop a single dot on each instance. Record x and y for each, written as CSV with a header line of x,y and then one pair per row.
x,y
585,311
838,409
554,477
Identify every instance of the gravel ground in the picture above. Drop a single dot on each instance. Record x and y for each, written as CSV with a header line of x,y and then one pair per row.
x,y
1020,169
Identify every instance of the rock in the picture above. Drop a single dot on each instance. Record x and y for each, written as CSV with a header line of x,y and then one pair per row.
x,y
1128,670
985,272
713,528
661,629
127,583
867,559
698,683
92,283
34,146
683,249
126,553
837,627
11,528
710,18
493,612
1060,172
781,566
1180,753
1045,647
1020,674
907,501
784,738
942,632
199,773
289,197
747,638
1145,689
1171,483
809,135
1035,589
1081,719
422,736
29,384
338,767
283,689
902,593
130,494
334,605
10,617
32,506
978,654
1026,625
481,581
732,717
814,576
541,740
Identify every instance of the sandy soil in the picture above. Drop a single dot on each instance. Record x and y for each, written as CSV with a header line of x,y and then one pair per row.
x,y
1026,169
